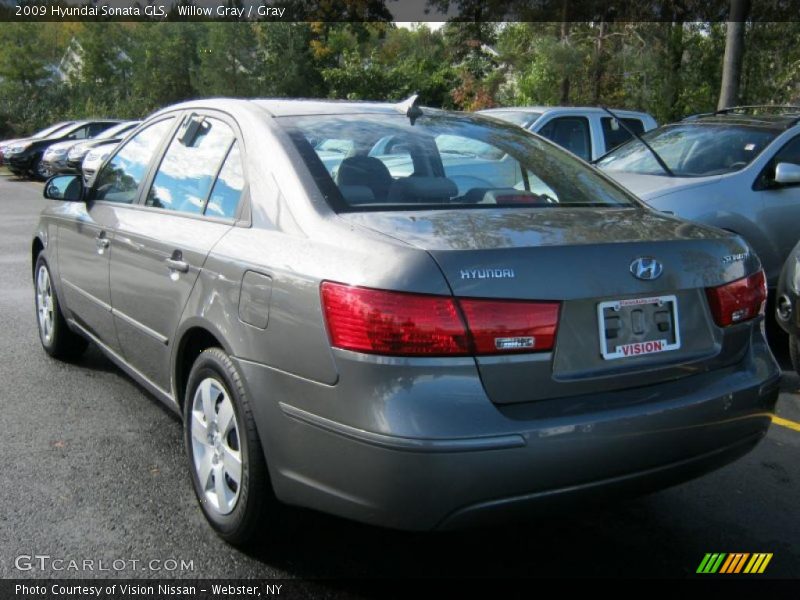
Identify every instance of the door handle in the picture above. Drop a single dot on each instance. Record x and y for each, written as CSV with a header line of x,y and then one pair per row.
x,y
177,265
101,241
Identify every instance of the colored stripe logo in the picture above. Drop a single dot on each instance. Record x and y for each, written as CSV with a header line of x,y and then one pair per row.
x,y
735,562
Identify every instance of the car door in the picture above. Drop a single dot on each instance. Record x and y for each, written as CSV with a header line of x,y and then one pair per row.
x,y
161,246
780,205
572,132
84,241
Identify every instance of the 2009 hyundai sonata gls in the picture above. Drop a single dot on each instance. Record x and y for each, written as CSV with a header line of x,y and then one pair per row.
x,y
403,316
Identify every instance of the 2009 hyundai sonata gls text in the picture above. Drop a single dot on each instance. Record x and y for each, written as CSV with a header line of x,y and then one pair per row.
x,y
403,316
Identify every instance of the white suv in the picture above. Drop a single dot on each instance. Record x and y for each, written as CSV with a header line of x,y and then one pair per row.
x,y
586,131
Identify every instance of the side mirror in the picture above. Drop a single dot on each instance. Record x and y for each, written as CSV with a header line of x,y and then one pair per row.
x,y
64,187
787,173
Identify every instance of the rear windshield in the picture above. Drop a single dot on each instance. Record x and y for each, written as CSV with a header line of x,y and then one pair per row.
x,y
383,162
691,150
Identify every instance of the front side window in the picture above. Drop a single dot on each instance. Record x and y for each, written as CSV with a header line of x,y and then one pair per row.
x,y
120,178
789,153
96,129
571,133
444,162
79,134
691,150
189,166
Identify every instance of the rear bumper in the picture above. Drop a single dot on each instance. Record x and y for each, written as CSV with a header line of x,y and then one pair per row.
x,y
517,462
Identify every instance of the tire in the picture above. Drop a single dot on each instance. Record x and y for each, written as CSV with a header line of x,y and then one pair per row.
x,y
37,171
57,339
794,352
218,427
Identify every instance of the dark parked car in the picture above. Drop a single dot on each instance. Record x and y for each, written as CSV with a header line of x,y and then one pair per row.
x,y
397,350
56,159
25,157
47,131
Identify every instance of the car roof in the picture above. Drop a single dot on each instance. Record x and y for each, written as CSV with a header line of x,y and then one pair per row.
x,y
283,107
546,109
775,122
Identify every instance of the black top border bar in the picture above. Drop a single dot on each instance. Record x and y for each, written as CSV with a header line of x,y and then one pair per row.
x,y
475,11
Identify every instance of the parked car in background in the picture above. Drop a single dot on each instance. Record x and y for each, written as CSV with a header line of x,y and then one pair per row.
x,y
47,131
586,131
734,169
400,350
25,157
787,304
94,158
112,135
56,157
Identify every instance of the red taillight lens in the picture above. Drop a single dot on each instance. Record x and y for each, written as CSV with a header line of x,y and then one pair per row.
x,y
403,324
508,326
395,323
739,300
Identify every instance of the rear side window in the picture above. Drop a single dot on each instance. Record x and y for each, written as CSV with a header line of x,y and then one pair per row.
x,y
227,190
189,167
614,137
120,178
571,133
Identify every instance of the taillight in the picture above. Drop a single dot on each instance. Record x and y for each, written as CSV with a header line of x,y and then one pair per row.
x,y
739,300
405,324
499,326
395,323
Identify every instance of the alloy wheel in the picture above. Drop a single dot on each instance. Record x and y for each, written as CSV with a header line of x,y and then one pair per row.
x,y
44,304
216,450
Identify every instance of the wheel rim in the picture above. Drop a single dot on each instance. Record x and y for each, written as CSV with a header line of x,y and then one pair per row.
x,y
44,304
216,451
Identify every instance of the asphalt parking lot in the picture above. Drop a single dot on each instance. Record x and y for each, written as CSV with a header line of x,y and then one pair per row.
x,y
94,469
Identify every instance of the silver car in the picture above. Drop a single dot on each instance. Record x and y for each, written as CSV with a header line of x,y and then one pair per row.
x,y
732,169
586,131
396,350
94,159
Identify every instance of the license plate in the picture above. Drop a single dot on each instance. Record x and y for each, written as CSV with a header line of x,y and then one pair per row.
x,y
638,326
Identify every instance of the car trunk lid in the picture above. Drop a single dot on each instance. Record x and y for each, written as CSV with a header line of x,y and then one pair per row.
x,y
614,329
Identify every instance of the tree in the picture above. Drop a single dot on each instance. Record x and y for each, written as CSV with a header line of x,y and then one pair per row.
x,y
165,61
227,60
734,53
284,63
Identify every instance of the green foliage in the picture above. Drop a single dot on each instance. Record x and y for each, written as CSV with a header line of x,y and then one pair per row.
x,y
227,60
51,71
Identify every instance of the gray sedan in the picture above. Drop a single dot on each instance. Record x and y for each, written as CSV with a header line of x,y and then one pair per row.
x,y
416,350
733,170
